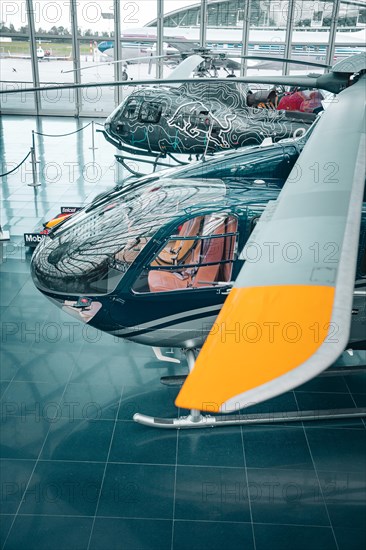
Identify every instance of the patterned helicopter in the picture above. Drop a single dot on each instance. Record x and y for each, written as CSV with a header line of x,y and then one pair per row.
x,y
156,263
198,117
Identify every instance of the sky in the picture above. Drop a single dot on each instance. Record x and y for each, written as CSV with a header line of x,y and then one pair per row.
x,y
49,13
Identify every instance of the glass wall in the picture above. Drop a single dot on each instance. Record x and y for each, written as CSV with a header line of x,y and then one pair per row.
x,y
15,57
53,33
350,36
95,36
79,41
310,37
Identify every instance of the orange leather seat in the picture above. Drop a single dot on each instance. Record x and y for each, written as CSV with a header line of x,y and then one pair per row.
x,y
176,251
212,251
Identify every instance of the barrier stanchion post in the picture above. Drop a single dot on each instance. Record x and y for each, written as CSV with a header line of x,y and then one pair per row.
x,y
93,148
4,236
34,146
34,149
35,182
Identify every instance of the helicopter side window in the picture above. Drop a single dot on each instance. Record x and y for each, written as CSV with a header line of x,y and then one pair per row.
x,y
130,110
150,112
200,255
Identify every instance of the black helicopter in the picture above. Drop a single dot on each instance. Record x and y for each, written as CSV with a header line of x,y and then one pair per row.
x,y
198,117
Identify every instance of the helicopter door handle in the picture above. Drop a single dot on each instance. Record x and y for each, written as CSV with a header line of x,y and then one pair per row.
x,y
224,291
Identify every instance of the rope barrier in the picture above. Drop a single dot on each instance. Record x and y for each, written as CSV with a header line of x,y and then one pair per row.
x,y
63,135
16,168
49,135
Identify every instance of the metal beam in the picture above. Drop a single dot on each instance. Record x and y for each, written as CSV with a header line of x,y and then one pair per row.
x,y
289,33
76,54
118,67
160,40
193,41
203,23
245,37
333,32
33,54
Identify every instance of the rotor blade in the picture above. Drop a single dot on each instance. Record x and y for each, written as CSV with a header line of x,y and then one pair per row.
x,y
143,40
106,63
309,81
288,316
185,69
334,82
279,60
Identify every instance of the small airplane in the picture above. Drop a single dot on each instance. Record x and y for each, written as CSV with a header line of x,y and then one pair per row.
x,y
196,118
262,279
42,55
132,51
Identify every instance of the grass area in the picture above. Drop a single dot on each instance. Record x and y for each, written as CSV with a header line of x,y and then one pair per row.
x,y
56,48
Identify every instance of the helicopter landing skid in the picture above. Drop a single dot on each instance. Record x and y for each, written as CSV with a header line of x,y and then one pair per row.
x,y
198,420
208,421
154,163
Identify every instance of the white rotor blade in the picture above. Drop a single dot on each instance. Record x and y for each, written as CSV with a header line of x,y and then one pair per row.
x,y
288,316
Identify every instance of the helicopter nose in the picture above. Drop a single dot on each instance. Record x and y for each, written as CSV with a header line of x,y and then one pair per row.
x,y
45,266
47,281
55,273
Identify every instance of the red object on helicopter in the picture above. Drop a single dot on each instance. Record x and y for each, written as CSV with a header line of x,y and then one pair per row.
x,y
305,101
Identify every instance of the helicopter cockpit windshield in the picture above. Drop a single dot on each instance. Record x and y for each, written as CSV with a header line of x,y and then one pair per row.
x,y
91,252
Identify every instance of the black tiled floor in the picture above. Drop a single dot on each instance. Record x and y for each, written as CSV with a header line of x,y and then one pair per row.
x,y
77,473
22,437
44,533
131,534
320,401
338,450
345,497
82,440
15,475
147,447
63,489
211,493
90,401
212,535
5,525
40,399
211,448
275,447
350,539
137,490
286,496
288,537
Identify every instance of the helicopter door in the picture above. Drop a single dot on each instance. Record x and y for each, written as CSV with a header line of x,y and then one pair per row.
x,y
201,255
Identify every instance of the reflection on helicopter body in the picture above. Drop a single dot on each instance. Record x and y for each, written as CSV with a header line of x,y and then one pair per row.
x,y
154,263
